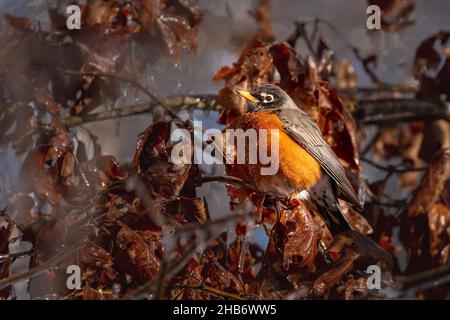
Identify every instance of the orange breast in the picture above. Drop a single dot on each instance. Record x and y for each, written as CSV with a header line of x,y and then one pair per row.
x,y
298,170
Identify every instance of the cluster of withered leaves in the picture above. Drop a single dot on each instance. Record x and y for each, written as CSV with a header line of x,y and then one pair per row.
x,y
5,264
115,37
43,87
146,220
424,222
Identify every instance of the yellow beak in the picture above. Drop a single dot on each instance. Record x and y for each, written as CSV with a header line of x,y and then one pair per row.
x,y
247,95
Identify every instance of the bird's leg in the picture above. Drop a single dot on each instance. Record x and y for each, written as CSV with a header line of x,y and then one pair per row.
x,y
269,202
278,207
324,252
275,203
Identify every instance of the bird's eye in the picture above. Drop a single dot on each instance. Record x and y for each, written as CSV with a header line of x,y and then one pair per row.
x,y
267,97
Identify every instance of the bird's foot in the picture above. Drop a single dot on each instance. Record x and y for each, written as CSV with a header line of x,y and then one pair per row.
x,y
276,204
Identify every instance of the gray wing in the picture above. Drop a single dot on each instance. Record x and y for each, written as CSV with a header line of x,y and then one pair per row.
x,y
305,132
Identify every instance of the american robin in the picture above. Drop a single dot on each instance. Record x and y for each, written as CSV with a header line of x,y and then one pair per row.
x,y
308,168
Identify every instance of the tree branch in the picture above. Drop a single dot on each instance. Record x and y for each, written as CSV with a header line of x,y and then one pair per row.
x,y
229,180
391,168
210,290
123,78
47,265
423,277
177,102
392,111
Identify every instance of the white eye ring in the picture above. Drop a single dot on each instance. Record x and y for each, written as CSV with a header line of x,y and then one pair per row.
x,y
267,97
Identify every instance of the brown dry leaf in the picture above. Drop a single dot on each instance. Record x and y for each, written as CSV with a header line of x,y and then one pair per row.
x,y
332,277
58,145
47,102
191,275
292,249
217,276
110,29
35,177
439,225
340,132
346,75
188,210
135,257
302,238
428,57
99,12
387,144
352,251
95,257
402,141
152,160
49,168
5,270
326,238
51,238
436,136
24,121
353,289
206,270
67,170
254,67
431,186
296,78
174,23
262,15
102,170
23,24
414,237
355,219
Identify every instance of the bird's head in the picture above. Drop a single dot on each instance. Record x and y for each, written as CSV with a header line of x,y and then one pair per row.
x,y
267,97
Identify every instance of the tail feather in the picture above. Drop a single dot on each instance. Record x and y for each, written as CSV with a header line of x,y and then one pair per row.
x,y
324,197
334,219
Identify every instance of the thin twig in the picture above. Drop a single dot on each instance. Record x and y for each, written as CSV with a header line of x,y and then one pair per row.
x,y
390,168
161,284
210,290
383,88
371,143
189,229
423,277
11,137
400,204
124,78
47,265
392,111
230,180
15,256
